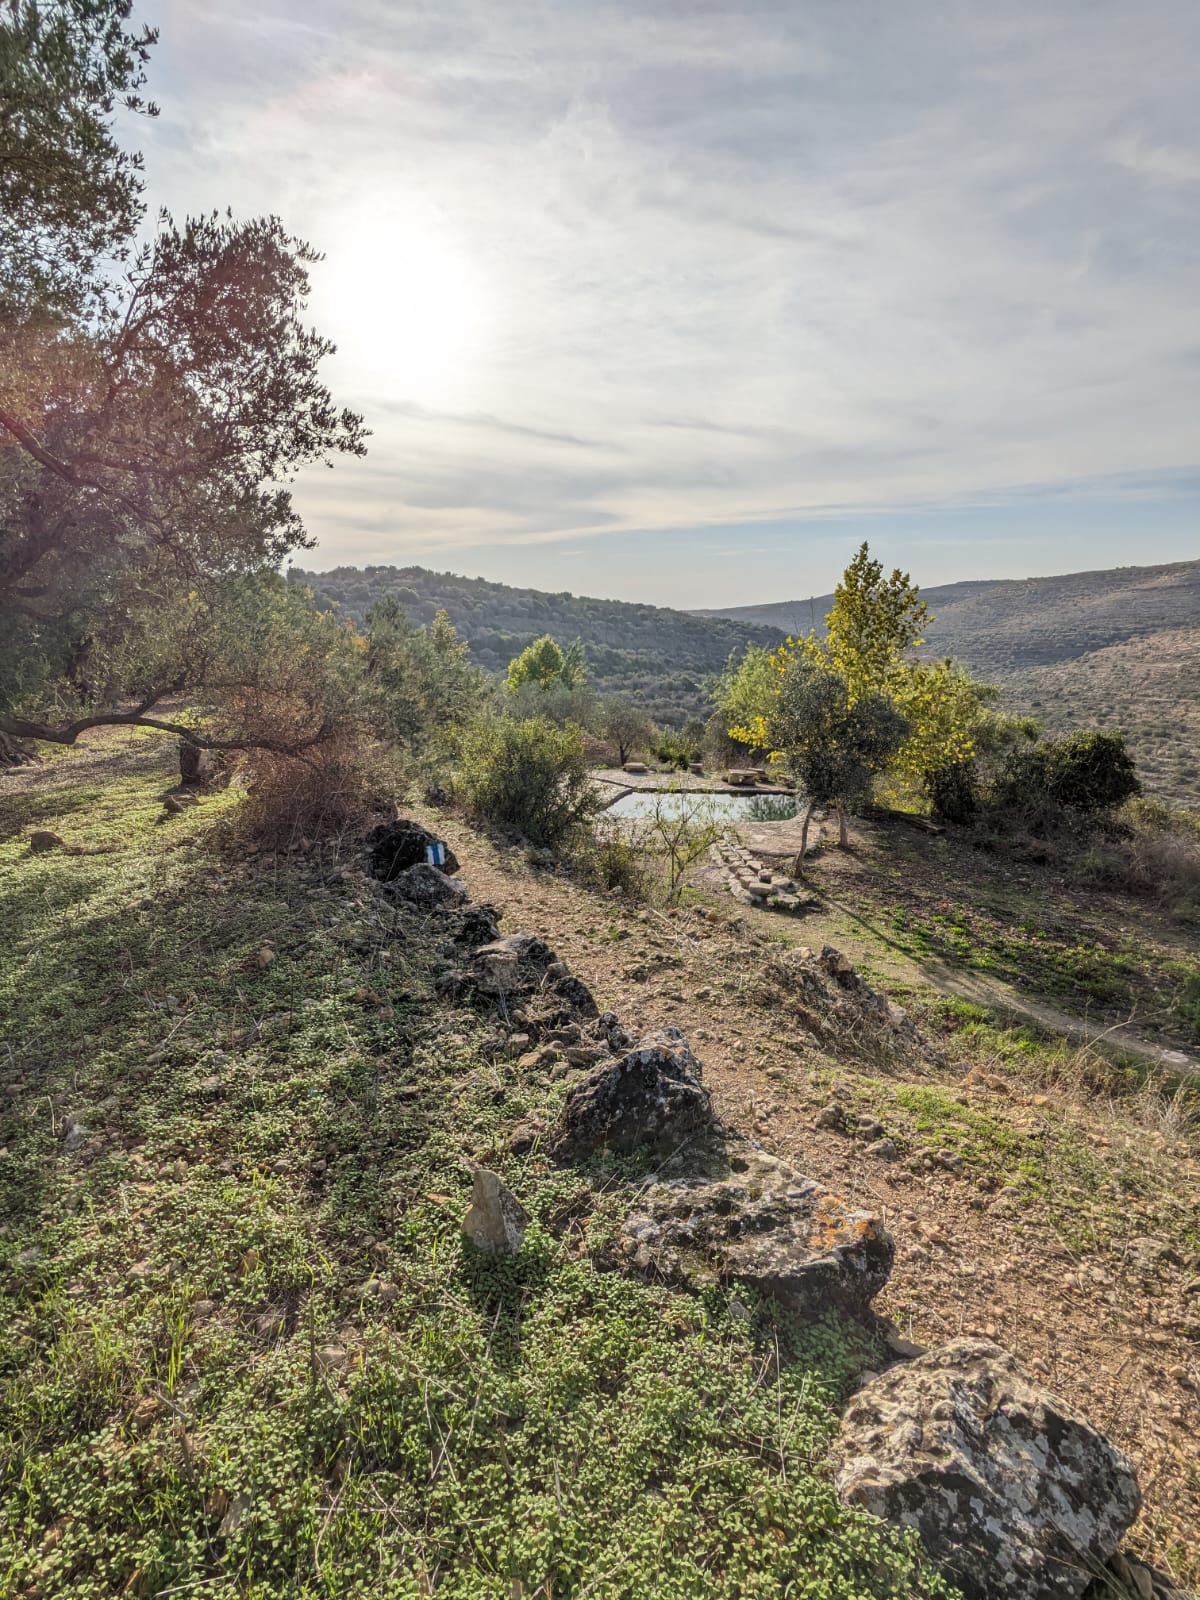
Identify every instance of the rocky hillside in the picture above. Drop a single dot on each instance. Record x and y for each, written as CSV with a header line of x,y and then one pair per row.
x,y
367,1229
658,657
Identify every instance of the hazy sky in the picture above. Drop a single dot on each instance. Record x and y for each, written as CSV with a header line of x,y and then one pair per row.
x,y
680,301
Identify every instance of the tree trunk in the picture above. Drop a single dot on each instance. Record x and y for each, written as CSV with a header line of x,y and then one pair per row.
x,y
13,754
843,830
798,864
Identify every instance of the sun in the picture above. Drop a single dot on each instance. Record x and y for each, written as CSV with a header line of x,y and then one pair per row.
x,y
404,304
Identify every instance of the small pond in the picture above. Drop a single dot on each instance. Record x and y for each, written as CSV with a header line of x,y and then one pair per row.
x,y
721,807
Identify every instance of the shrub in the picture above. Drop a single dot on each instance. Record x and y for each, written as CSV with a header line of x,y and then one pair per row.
x,y
1085,772
607,860
953,791
530,776
335,788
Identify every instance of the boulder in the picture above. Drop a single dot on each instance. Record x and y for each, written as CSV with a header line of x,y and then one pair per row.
x,y
755,1220
202,769
652,1097
495,1219
426,887
42,839
393,847
1013,1493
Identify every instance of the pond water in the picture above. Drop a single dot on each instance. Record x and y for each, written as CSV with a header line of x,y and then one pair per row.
x,y
721,807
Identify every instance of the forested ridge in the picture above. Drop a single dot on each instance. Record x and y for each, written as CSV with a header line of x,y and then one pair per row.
x,y
659,657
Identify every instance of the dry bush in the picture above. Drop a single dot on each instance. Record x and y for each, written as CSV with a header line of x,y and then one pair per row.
x,y
337,787
1157,855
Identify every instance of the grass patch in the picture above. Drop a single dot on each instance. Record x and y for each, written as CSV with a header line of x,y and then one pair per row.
x,y
244,1348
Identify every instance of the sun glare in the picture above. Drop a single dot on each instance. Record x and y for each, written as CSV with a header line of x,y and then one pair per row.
x,y
406,307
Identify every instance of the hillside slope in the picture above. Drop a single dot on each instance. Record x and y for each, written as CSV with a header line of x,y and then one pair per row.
x,y
658,656
1110,649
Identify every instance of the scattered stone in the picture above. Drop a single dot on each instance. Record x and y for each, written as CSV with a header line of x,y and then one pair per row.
x,y
495,1219
652,1096
330,1356
1013,1493
42,839
835,963
428,888
584,1055
949,1160
394,847
74,1133
883,1150
867,1127
833,1117
757,1221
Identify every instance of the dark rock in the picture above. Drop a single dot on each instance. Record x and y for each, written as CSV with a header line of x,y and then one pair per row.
x,y
394,847
1013,1492
576,995
652,1097
202,769
42,839
833,1117
762,1223
883,1150
480,925
618,1037
426,887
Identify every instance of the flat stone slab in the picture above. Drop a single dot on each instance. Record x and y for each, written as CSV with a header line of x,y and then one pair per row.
x,y
752,1219
1014,1494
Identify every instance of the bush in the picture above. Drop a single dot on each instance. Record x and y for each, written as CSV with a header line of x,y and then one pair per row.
x,y
530,776
335,788
608,860
953,791
1084,772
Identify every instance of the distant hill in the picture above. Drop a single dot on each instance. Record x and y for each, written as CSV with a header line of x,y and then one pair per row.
x,y
1116,649
657,656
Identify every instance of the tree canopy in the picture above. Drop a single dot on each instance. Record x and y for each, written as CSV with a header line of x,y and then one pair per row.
x,y
154,404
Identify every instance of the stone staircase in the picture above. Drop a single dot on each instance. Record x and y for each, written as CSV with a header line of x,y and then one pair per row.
x,y
753,884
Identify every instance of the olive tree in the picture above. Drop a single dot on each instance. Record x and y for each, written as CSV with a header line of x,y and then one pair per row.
x,y
832,744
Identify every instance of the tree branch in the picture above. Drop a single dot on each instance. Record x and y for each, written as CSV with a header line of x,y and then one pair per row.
x,y
69,732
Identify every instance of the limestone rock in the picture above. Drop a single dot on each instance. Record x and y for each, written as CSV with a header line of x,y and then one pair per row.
x,y
427,888
202,769
762,1223
394,847
652,1096
1013,1492
496,968
495,1219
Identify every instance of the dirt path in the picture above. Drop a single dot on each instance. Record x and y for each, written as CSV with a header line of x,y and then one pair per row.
x,y
1115,1338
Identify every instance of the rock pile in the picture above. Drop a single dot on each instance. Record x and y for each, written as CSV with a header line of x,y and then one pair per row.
x,y
751,883
1013,1493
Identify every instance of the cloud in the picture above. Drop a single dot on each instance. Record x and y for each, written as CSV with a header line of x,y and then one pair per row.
x,y
737,262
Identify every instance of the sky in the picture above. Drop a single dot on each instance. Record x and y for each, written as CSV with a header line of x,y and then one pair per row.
x,y
680,301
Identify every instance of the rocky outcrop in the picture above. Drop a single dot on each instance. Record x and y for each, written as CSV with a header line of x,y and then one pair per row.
x,y
1013,1493
755,1220
651,1098
394,847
